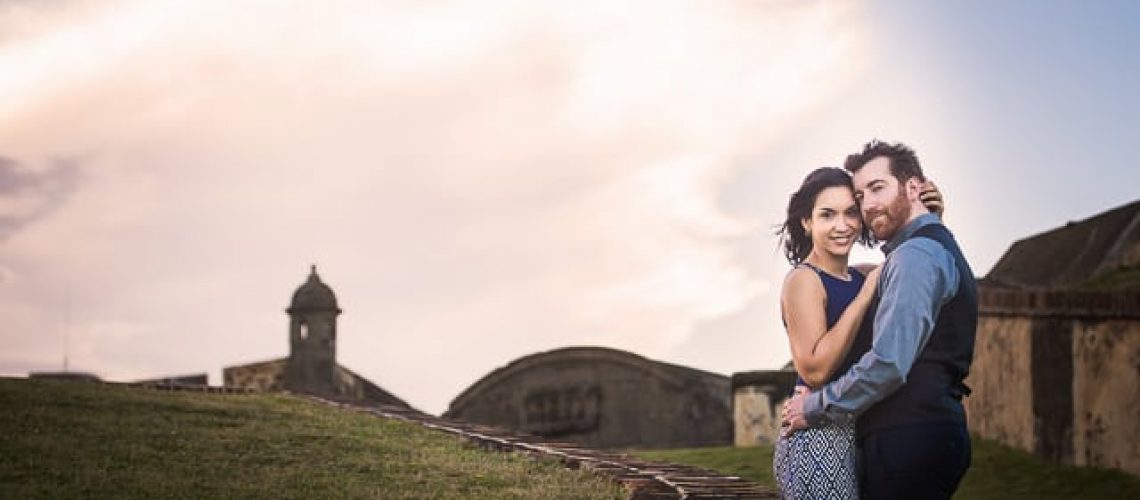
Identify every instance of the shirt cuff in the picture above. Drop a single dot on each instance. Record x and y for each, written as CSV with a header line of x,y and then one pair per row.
x,y
813,409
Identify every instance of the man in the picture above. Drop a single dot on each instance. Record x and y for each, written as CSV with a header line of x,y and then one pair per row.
x,y
906,390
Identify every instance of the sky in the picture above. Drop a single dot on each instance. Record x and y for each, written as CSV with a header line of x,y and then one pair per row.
x,y
479,181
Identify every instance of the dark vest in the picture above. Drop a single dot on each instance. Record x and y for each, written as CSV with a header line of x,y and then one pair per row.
x,y
933,390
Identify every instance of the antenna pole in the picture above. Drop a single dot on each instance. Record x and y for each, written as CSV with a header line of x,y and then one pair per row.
x,y
66,325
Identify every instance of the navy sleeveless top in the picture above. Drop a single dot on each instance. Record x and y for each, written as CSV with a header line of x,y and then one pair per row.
x,y
840,294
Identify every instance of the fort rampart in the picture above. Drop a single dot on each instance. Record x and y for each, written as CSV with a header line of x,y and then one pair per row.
x,y
1057,373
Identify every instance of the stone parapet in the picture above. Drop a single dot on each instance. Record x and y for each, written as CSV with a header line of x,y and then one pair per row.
x,y
263,376
995,301
195,379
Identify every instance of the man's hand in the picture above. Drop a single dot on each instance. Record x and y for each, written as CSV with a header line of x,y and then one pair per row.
x,y
792,415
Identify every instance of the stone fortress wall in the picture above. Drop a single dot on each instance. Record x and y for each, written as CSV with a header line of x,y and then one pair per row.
x,y
1057,373
264,376
602,397
1057,361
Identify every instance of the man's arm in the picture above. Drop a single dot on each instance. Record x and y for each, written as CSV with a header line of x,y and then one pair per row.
x,y
919,278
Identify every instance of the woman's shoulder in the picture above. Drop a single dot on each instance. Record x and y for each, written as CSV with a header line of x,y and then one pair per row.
x,y
802,278
802,269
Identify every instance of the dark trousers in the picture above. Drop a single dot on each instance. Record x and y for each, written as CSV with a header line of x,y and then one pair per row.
x,y
917,461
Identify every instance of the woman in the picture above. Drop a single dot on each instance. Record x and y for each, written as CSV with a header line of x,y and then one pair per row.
x,y
823,303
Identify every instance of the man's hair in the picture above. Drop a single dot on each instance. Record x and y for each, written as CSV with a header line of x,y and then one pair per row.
x,y
903,161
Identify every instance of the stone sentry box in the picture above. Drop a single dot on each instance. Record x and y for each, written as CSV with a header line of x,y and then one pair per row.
x,y
756,397
311,367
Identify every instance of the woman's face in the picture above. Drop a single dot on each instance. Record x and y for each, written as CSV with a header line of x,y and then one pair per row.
x,y
835,223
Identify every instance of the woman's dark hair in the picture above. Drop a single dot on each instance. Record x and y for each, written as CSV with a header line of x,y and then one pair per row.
x,y
796,242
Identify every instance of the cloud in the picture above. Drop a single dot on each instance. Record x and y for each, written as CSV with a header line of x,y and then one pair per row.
x,y
476,183
27,195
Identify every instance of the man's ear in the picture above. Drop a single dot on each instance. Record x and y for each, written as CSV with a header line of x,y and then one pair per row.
x,y
913,189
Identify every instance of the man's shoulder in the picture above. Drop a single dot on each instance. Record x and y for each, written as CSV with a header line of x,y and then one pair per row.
x,y
922,253
922,259
920,247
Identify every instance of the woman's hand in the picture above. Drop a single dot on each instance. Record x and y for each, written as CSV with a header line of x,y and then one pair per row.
x,y
871,283
931,197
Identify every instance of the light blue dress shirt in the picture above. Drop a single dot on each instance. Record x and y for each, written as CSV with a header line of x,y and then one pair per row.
x,y
918,278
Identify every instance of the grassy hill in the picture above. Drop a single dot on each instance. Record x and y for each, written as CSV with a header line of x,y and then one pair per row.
x,y
997,472
80,440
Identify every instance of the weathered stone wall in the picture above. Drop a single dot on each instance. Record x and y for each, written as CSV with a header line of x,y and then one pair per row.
x,y
756,397
264,376
1056,373
602,397
1001,365
353,387
271,376
1106,394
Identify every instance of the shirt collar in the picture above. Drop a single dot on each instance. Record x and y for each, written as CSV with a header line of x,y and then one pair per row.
x,y
908,230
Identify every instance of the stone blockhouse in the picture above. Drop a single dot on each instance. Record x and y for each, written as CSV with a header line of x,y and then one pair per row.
x,y
602,397
1057,360
756,399
311,367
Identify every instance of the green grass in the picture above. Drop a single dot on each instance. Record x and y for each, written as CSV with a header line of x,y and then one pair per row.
x,y
79,440
997,472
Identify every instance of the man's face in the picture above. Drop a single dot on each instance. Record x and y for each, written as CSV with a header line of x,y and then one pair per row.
x,y
883,199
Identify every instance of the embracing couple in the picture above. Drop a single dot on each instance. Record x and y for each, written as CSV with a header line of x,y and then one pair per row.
x,y
881,352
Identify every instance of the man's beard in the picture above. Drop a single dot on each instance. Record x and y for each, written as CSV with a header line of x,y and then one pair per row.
x,y
885,224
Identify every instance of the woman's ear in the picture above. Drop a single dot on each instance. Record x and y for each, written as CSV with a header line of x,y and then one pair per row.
x,y
806,223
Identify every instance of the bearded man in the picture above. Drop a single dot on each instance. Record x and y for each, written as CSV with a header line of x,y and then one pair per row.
x,y
906,391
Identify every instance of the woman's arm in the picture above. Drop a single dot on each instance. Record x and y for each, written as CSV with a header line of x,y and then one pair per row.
x,y
816,350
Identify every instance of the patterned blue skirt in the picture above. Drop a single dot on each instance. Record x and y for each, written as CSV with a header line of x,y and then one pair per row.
x,y
818,463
